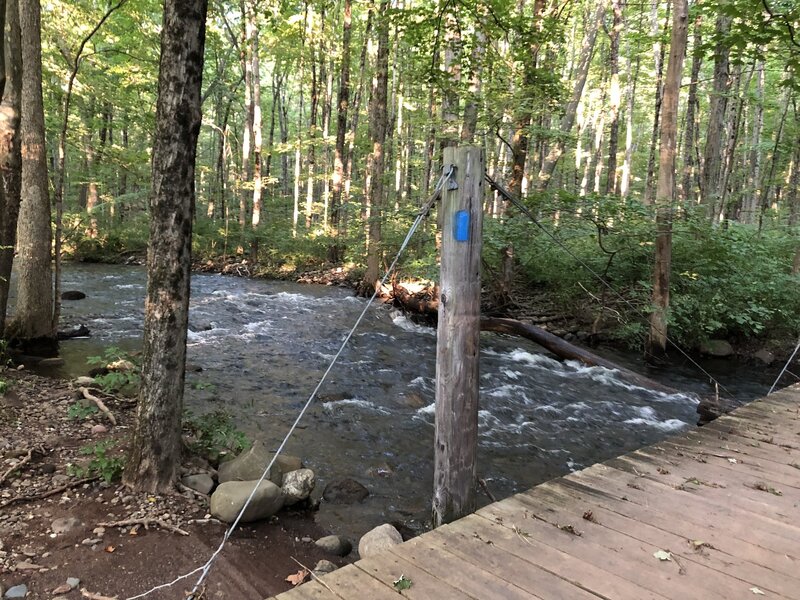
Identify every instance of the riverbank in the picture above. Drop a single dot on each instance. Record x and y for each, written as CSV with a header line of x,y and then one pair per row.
x,y
60,521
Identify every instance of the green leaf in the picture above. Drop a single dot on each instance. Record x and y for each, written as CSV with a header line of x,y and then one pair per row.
x,y
402,583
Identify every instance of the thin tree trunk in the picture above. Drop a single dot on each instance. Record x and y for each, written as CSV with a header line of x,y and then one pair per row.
x,y
257,138
474,92
311,157
657,340
710,183
625,179
155,451
335,250
659,51
568,120
249,31
687,188
375,162
10,157
615,96
33,317
767,184
750,203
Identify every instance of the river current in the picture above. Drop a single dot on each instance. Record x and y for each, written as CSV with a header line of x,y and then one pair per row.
x,y
263,345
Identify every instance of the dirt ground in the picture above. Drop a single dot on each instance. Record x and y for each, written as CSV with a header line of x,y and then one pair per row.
x,y
52,513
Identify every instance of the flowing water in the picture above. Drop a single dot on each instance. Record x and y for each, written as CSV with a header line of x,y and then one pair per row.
x,y
263,346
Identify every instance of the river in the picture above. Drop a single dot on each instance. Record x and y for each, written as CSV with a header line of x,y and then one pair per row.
x,y
263,346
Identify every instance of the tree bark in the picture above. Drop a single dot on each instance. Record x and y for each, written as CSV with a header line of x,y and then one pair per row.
x,y
710,190
257,138
10,157
657,340
689,165
246,174
335,250
615,97
658,57
376,160
156,446
33,317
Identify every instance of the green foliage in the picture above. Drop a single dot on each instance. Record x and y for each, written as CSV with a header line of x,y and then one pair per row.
x,y
729,282
125,379
214,433
101,463
3,386
82,410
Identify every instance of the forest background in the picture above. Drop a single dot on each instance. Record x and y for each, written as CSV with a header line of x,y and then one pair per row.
x,y
324,124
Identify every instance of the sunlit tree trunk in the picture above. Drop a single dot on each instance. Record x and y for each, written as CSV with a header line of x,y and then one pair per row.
x,y
10,158
155,451
33,317
750,203
687,187
257,123
246,173
568,120
657,340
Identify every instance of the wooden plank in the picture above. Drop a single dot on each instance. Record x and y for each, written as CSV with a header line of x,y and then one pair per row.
x,y
350,583
746,493
704,566
458,339
312,590
743,471
724,539
428,554
387,568
745,446
485,554
714,453
637,560
698,510
572,570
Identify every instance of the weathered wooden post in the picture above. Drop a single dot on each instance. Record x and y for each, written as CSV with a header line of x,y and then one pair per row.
x,y
458,338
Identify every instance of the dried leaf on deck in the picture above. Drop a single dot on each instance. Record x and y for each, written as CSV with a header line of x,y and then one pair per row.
x,y
298,578
662,555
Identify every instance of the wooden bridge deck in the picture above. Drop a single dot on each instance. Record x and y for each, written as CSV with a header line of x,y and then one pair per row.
x,y
722,502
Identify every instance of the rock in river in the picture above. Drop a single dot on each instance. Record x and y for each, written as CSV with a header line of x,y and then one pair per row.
x,y
229,498
297,485
344,491
378,539
251,463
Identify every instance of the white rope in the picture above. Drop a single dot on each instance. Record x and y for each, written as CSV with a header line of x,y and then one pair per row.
x,y
785,367
206,568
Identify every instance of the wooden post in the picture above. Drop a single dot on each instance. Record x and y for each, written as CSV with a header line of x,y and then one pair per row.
x,y
458,338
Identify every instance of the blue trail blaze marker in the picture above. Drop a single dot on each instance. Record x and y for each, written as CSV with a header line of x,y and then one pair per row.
x,y
461,226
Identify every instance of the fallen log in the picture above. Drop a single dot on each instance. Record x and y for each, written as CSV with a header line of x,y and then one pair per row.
x,y
567,351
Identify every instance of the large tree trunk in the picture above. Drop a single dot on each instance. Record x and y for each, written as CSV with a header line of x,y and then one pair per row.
x,y
10,158
710,183
568,120
156,446
257,141
376,160
246,174
657,340
33,317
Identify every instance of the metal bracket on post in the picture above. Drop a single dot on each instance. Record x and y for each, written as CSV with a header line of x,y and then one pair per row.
x,y
451,178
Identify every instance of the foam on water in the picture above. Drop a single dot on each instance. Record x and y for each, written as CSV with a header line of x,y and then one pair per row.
x,y
407,325
647,416
356,403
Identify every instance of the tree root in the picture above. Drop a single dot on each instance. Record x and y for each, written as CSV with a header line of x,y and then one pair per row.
x,y
145,522
49,493
100,404
20,464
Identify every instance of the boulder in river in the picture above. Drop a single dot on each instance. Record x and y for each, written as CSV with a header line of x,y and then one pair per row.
x,y
718,348
379,539
334,544
344,491
297,485
229,498
72,295
765,356
251,463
